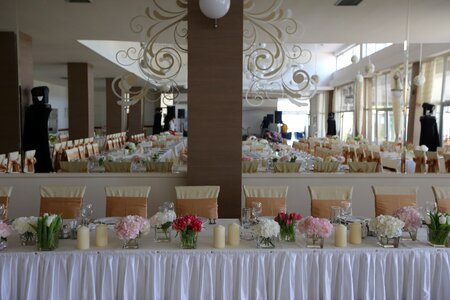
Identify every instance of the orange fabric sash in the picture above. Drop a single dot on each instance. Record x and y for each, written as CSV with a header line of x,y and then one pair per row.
x,y
124,206
68,207
5,201
419,162
30,164
15,166
345,154
271,206
432,165
387,204
321,208
443,205
447,165
3,168
206,208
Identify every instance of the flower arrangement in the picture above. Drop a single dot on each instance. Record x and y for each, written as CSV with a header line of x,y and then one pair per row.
x,y
47,230
136,159
273,136
386,226
287,224
438,228
315,227
411,217
188,227
130,146
152,138
23,227
266,230
162,222
5,231
131,227
293,159
155,157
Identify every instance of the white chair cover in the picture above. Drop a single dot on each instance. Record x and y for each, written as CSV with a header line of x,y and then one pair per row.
x,y
343,193
197,192
266,191
395,190
127,191
62,191
441,192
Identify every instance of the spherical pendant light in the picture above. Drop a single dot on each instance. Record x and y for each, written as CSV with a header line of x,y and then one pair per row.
x,y
214,9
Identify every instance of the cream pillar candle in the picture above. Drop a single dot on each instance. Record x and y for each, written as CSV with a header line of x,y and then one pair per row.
x,y
234,236
340,236
355,233
83,238
101,235
219,237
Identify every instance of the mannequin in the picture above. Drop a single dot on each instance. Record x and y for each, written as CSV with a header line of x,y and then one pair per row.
x,y
35,135
429,135
331,122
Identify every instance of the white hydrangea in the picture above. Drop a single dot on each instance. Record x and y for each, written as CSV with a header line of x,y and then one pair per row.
x,y
387,226
161,218
267,228
22,224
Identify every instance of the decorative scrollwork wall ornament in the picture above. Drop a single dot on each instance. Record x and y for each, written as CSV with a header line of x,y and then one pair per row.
x,y
274,67
159,62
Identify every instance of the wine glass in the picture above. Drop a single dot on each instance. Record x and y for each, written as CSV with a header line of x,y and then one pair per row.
x,y
346,210
246,222
86,214
256,210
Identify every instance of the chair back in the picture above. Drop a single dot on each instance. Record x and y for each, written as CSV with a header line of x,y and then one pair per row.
x,y
197,200
442,196
420,160
447,162
122,201
432,162
63,200
5,194
363,167
73,166
390,198
324,197
117,167
272,198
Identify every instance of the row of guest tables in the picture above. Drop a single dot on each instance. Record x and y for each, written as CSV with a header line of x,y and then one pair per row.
x,y
164,271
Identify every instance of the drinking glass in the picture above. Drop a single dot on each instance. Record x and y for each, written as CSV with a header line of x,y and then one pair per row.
x,y
335,214
346,210
2,212
246,222
256,210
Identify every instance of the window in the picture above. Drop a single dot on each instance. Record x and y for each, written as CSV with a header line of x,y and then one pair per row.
x,y
371,48
294,116
344,58
345,103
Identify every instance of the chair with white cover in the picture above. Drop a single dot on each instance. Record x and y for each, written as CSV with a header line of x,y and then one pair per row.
x,y
432,162
122,201
447,162
324,197
272,198
390,198
5,194
197,200
442,196
363,167
117,166
420,159
63,200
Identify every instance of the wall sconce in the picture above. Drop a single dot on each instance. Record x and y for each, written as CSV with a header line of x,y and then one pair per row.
x,y
398,87
214,9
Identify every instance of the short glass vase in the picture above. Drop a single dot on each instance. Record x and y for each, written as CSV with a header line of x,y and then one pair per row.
x,y
409,235
131,243
48,244
3,243
265,242
287,234
388,242
438,238
314,241
27,239
188,240
163,235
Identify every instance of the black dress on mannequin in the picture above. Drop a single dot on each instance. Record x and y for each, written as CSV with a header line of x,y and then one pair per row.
x,y
331,122
35,136
429,135
157,128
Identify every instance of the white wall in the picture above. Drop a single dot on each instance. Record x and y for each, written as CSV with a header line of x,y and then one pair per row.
x,y
58,99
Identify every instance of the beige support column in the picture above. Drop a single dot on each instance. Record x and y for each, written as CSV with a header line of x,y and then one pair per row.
x,y
81,100
114,118
215,104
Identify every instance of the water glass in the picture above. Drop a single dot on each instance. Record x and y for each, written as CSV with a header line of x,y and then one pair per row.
x,y
346,210
246,222
256,210
2,212
335,214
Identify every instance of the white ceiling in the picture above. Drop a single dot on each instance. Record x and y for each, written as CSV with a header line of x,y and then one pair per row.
x,y
56,25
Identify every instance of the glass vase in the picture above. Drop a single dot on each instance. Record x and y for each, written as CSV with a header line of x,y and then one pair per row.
x,y
409,235
27,239
265,242
438,238
163,235
314,241
388,242
48,244
131,243
287,233
188,239
3,243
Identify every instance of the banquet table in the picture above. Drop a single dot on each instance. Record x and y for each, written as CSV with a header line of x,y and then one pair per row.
x,y
163,271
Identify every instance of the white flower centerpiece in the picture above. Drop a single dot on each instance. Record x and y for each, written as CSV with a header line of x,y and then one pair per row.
x,y
388,230
266,230
162,223
23,226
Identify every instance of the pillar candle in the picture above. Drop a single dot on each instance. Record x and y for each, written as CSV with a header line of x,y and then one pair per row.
x,y
234,237
83,238
101,235
219,237
355,233
340,236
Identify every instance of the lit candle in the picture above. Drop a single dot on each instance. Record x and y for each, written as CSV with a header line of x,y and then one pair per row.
x,y
340,236
234,237
219,237
101,235
83,238
355,233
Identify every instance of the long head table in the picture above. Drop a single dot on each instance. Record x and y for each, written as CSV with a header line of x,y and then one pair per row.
x,y
163,271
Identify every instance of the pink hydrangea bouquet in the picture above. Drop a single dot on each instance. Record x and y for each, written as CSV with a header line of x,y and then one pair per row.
x,y
188,227
315,227
131,227
287,224
5,230
411,217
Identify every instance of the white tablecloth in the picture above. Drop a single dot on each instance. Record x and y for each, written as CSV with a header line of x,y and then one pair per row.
x,y
162,271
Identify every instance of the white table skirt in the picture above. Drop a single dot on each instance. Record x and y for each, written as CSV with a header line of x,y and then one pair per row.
x,y
161,271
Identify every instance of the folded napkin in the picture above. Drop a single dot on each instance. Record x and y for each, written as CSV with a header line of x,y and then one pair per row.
x,y
362,167
286,167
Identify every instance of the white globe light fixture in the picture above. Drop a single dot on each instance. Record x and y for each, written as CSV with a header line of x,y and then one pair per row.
x,y
214,9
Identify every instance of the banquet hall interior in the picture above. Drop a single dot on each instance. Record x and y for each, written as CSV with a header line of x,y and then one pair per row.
x,y
337,110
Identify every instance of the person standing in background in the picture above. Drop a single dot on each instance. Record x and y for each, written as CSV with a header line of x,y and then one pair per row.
x,y
157,128
284,130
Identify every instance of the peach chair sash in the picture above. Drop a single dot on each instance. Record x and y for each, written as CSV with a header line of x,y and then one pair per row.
x,y
206,207
387,204
443,205
5,201
433,166
124,206
447,162
271,206
68,207
420,161
3,163
322,208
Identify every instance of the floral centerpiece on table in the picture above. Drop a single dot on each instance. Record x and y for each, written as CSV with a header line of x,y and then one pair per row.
x,y
130,228
188,227
47,230
411,217
162,222
5,231
273,136
155,157
316,230
388,230
153,138
438,228
130,146
287,224
23,226
266,230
